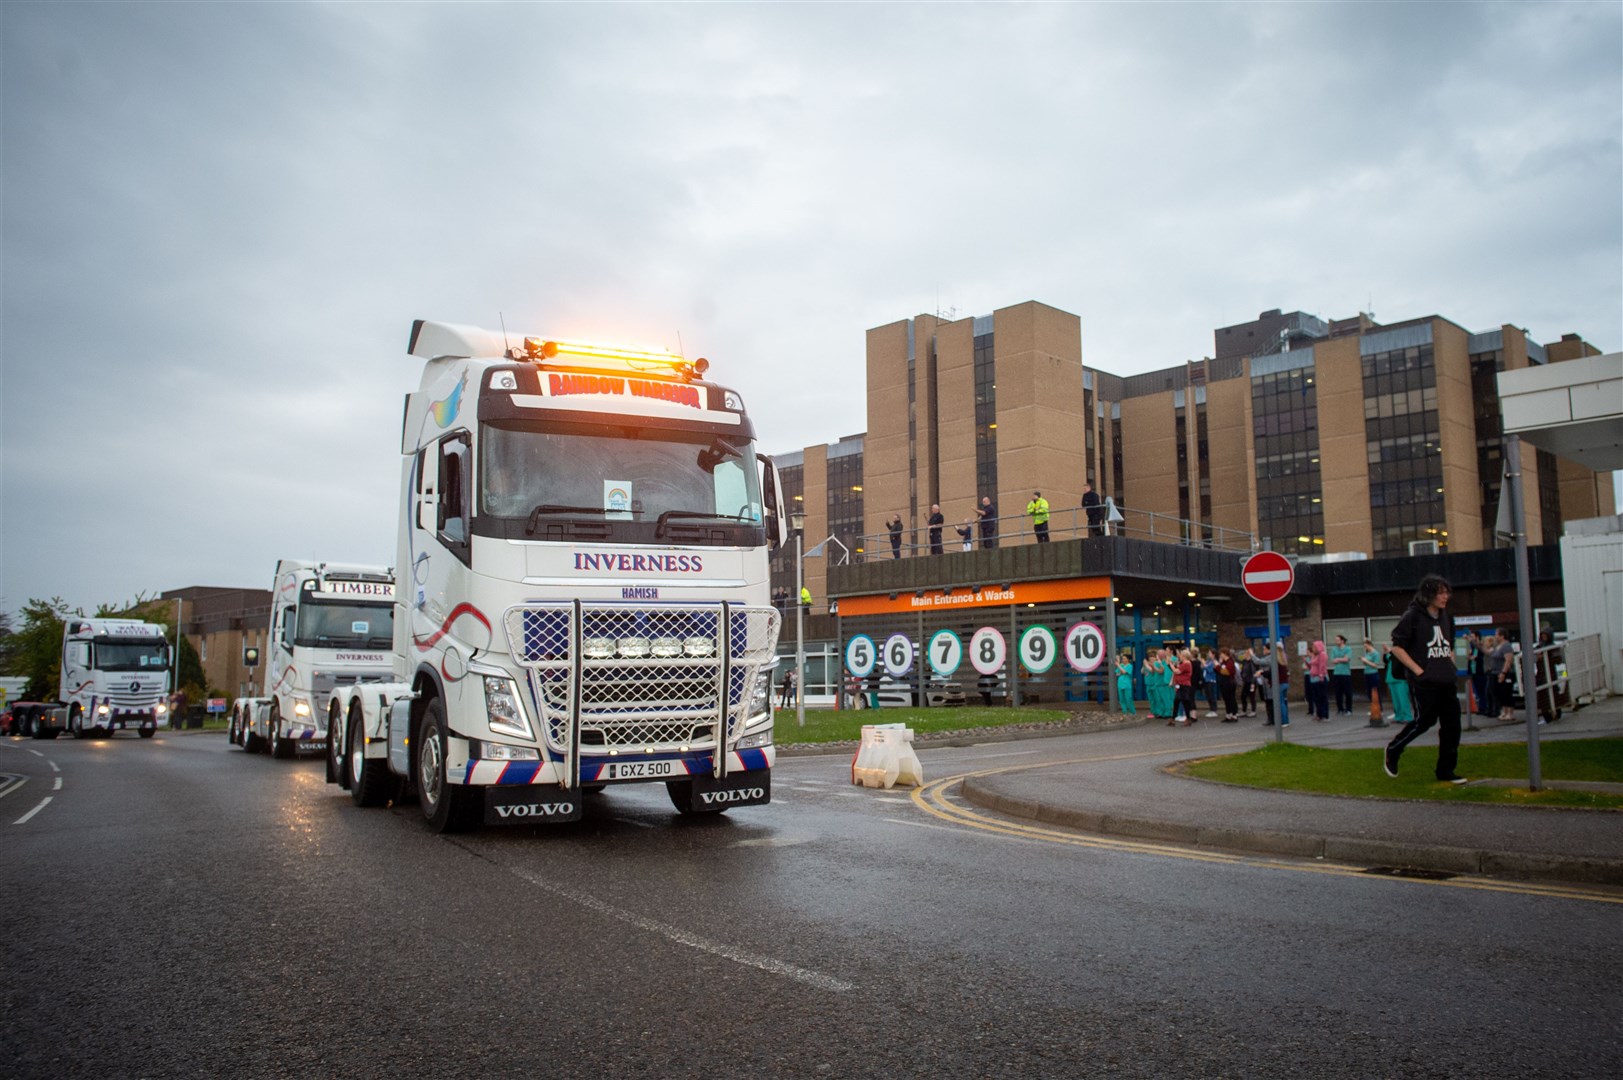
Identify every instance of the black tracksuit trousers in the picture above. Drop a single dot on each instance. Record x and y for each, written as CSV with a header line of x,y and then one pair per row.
x,y
1434,703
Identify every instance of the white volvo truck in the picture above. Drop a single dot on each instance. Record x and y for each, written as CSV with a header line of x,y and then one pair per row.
x,y
331,625
584,596
115,674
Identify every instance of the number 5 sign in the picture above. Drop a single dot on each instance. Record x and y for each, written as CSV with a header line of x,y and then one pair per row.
x,y
860,655
1084,647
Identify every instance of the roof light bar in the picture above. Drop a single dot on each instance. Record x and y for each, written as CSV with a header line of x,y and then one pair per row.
x,y
539,349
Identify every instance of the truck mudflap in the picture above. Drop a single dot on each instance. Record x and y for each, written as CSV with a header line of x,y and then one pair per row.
x,y
753,788
531,804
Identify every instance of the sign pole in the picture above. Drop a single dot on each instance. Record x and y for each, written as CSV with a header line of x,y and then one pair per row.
x,y
1273,671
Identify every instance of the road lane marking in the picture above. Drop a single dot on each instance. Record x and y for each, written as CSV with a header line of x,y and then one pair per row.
x,y
24,819
10,783
934,800
54,766
686,937
37,753
58,785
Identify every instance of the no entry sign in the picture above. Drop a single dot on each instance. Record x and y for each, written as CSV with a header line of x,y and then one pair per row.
x,y
1267,577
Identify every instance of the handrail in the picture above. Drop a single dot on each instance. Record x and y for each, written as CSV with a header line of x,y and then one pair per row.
x,y
1063,524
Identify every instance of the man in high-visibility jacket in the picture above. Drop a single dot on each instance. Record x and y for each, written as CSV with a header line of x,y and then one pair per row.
x,y
1037,508
805,597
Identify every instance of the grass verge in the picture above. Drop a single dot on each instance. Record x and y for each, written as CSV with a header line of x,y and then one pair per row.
x,y
829,725
1292,767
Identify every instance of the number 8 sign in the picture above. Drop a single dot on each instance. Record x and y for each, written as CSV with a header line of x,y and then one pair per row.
x,y
987,650
1084,647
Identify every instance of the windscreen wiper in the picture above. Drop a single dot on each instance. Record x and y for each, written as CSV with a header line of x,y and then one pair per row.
x,y
554,508
702,515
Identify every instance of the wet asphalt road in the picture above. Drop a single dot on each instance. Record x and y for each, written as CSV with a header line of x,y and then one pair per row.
x,y
179,908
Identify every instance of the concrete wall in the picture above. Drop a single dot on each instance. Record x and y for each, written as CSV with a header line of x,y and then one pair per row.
x,y
1338,384
1041,440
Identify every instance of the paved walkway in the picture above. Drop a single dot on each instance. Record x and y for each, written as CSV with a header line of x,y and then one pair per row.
x,y
1117,784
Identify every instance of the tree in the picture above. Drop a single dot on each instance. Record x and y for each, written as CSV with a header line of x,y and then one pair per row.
x,y
36,648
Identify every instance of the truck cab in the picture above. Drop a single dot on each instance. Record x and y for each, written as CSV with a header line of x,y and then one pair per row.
x,y
331,626
584,601
115,675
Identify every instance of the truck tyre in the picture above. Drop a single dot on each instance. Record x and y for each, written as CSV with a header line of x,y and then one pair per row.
x,y
280,747
231,728
447,807
370,782
38,730
681,793
76,722
251,742
337,746
146,732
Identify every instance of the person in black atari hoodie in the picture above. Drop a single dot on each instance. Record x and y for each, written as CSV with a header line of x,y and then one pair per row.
x,y
1423,642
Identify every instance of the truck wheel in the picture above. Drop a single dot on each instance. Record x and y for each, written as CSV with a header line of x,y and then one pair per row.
x,y
76,722
280,747
336,746
448,807
251,742
370,782
231,730
146,732
681,793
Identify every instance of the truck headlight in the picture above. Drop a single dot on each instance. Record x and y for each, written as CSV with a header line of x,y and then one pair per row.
x,y
598,648
102,710
634,647
494,751
160,708
503,710
301,708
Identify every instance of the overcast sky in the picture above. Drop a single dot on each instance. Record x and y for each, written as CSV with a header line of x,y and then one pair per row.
x,y
220,220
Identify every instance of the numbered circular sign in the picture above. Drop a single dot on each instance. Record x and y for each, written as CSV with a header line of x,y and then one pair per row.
x,y
987,651
1038,649
898,655
1084,647
946,652
860,655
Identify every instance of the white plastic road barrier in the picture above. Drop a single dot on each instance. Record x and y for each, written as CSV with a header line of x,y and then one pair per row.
x,y
885,757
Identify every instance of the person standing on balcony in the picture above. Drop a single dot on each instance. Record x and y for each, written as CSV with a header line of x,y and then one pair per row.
x,y
894,528
988,516
1037,510
1094,510
936,522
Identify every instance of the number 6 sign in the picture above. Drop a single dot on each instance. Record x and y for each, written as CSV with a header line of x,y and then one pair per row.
x,y
898,654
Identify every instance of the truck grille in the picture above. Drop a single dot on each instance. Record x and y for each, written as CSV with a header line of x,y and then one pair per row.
x,y
649,675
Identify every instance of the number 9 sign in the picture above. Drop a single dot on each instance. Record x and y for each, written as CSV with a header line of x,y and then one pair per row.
x,y
1084,647
860,655
1038,649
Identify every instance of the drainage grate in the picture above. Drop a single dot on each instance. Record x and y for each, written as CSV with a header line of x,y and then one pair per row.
x,y
1411,872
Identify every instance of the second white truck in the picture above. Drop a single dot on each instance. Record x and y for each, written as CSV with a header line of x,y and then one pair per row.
x,y
332,625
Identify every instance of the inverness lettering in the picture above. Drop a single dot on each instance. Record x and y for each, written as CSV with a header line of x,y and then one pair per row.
x,y
640,564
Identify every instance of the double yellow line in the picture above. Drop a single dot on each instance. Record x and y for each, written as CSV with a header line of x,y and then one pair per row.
x,y
933,799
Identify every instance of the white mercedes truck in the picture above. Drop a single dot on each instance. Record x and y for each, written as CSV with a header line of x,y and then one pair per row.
x,y
331,626
584,597
115,675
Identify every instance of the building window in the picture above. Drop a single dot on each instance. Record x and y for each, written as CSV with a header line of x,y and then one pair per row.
x,y
1285,435
985,419
1405,450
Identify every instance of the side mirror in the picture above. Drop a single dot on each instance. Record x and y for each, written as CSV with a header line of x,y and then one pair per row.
x,y
777,524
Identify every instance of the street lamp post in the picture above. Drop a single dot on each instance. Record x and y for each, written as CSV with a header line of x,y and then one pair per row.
x,y
797,521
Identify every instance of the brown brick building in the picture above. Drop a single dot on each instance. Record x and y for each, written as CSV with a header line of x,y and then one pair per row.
x,y
1313,437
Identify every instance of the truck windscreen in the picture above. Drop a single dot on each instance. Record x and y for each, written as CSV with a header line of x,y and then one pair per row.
x,y
639,475
113,655
328,624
